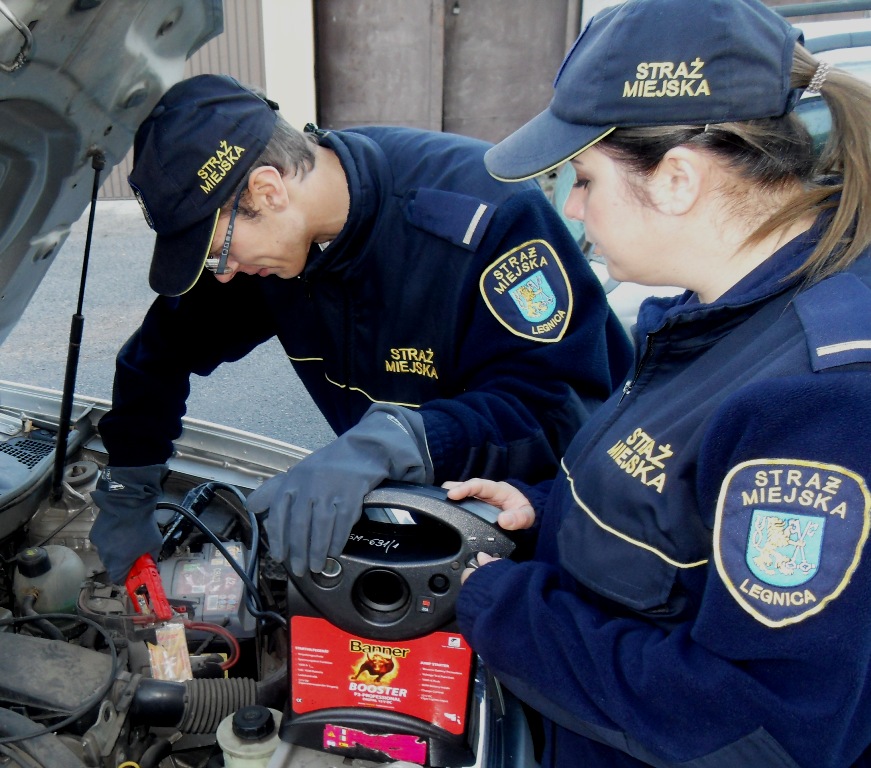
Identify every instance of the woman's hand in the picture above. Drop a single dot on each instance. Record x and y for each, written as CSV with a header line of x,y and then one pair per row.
x,y
481,558
516,511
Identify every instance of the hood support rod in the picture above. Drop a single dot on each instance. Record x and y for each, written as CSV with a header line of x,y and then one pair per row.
x,y
98,162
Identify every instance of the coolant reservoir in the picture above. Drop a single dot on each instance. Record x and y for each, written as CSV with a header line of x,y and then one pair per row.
x,y
53,573
249,736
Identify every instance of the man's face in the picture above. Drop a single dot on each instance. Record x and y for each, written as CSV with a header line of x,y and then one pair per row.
x,y
274,243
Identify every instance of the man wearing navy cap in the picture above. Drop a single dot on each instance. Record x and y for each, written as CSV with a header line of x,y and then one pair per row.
x,y
446,324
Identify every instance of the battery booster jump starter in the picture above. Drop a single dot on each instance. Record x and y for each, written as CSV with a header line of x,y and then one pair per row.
x,y
377,668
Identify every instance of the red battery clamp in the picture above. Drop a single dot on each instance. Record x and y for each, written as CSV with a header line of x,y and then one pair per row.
x,y
146,590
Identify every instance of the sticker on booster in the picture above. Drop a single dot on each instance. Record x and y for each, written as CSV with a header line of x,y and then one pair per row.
x,y
427,677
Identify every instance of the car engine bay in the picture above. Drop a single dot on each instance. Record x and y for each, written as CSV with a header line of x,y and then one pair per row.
x,y
80,665
152,672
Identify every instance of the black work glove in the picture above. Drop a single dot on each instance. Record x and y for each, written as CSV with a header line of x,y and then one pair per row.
x,y
314,505
127,526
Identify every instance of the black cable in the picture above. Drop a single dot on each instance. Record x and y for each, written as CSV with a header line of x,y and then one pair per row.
x,y
243,574
16,758
63,525
233,489
14,559
255,537
88,704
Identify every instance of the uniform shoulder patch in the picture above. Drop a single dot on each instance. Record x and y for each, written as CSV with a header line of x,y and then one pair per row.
x,y
788,536
528,291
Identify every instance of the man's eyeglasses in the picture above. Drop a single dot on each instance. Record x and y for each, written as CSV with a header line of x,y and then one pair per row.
x,y
219,266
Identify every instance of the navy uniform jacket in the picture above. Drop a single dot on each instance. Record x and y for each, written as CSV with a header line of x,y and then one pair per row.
x,y
701,593
446,291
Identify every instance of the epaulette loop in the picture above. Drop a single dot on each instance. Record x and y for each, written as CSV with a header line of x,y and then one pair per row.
x,y
836,317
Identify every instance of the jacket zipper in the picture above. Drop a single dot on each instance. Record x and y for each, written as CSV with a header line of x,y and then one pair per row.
x,y
627,387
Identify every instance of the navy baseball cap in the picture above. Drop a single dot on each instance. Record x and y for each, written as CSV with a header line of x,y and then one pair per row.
x,y
657,62
189,155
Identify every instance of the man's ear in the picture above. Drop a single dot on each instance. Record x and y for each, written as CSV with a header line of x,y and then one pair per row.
x,y
678,181
267,189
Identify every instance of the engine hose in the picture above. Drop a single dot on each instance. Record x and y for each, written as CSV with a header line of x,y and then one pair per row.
x,y
195,706
158,703
210,700
48,629
272,689
152,756
45,749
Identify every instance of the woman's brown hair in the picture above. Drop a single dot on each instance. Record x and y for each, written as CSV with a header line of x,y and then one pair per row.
x,y
775,153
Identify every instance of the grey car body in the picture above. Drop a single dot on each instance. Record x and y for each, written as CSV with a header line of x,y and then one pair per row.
x,y
77,79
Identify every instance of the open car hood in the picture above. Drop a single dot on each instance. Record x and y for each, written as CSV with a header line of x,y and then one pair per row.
x,y
77,77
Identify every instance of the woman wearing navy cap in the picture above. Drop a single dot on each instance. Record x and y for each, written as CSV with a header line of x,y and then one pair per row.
x,y
701,591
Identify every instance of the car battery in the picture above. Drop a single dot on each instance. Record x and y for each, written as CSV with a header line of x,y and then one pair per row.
x,y
209,587
377,668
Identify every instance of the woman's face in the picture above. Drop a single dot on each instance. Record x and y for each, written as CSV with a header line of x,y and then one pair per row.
x,y
625,230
